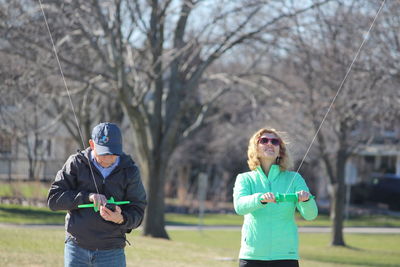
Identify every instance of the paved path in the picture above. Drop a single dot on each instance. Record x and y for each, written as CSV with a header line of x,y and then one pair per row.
x,y
361,230
364,230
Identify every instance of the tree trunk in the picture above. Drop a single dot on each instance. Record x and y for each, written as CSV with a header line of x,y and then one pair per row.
x,y
337,200
154,222
31,170
183,184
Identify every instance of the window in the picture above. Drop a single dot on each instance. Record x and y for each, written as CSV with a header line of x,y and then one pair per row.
x,y
49,147
5,143
388,164
388,130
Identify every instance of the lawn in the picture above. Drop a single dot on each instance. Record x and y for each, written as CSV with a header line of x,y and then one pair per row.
x,y
44,247
35,215
321,220
26,190
37,190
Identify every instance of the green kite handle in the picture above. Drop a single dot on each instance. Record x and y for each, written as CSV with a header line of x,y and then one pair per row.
x,y
111,201
288,197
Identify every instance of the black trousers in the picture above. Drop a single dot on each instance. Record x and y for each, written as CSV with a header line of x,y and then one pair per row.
x,y
277,263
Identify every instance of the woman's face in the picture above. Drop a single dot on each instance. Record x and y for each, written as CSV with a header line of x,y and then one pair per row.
x,y
268,146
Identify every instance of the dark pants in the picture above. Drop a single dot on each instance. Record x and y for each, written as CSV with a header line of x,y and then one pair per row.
x,y
277,263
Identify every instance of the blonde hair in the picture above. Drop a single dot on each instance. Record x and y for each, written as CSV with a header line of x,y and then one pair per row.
x,y
252,152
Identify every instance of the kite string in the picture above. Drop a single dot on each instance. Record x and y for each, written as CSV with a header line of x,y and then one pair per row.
x,y
66,88
338,91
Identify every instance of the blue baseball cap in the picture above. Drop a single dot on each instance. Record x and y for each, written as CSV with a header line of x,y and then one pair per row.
x,y
107,138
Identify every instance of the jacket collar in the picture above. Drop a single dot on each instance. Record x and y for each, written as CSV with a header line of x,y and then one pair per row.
x,y
124,160
274,172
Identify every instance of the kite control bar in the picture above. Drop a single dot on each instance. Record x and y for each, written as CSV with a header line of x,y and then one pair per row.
x,y
110,201
288,197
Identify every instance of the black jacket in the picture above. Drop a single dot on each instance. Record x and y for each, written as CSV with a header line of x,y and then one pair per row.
x,y
72,187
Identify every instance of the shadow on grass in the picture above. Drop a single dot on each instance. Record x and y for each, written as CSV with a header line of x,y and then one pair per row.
x,y
355,248
26,214
179,223
349,262
374,264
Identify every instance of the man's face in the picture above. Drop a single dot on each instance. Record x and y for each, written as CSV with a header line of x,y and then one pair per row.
x,y
105,161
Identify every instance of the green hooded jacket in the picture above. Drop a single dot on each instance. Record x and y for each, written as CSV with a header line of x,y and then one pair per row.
x,y
269,231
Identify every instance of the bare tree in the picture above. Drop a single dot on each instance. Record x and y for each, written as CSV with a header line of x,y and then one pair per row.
x,y
150,56
320,56
22,113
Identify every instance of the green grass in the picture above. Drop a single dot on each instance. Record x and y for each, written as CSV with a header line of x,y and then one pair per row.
x,y
44,247
26,190
34,215
374,220
38,190
322,220
364,250
30,215
6,190
209,219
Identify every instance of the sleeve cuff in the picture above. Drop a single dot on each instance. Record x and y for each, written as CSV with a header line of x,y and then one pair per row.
x,y
305,203
125,219
259,198
85,197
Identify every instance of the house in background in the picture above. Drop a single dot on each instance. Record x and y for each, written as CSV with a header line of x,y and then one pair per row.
x,y
376,159
34,158
379,157
373,170
40,157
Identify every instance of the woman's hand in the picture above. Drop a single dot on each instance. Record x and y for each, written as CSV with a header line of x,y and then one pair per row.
x,y
303,195
268,197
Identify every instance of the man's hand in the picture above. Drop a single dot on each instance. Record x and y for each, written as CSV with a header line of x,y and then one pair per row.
x,y
97,199
303,195
108,215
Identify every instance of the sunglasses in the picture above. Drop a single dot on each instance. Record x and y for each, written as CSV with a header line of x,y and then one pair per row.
x,y
273,141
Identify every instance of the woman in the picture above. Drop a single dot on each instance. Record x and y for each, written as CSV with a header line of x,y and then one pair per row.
x,y
269,232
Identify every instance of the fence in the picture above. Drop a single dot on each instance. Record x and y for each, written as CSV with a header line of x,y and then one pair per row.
x,y
13,169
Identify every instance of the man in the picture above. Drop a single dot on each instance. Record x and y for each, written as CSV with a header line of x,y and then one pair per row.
x,y
94,175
